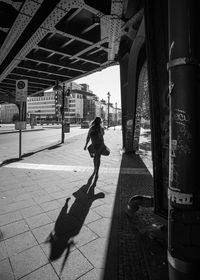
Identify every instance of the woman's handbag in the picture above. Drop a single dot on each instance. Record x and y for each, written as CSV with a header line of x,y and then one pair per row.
x,y
91,150
105,151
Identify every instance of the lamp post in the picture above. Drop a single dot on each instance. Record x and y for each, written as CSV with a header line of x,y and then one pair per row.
x,y
62,110
58,88
115,113
108,94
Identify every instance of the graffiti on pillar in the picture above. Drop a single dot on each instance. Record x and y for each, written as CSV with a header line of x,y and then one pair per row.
x,y
184,136
180,117
171,86
180,198
142,93
173,174
137,128
129,134
181,147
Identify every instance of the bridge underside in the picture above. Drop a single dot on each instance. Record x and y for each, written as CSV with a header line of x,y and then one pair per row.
x,y
44,41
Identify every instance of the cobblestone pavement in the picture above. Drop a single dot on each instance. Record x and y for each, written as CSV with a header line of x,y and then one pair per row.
x,y
56,224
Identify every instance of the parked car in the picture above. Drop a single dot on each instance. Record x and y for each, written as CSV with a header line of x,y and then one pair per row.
x,y
85,124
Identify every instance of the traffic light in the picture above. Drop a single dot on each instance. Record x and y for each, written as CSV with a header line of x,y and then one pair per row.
x,y
57,103
68,92
61,110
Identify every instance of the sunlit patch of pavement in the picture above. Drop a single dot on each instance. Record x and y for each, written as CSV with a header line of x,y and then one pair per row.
x,y
72,168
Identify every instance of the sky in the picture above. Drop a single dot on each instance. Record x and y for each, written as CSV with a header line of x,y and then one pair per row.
x,y
102,82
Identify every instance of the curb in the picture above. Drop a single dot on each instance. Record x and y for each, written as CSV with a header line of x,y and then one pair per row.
x,y
17,131
10,160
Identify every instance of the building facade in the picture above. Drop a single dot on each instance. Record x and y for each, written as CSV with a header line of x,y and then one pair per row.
x,y
7,112
43,107
81,105
47,107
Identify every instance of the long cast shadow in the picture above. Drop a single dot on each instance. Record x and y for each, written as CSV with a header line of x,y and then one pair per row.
x,y
69,223
135,249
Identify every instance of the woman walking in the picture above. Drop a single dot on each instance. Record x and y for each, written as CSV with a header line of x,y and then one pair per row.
x,y
95,134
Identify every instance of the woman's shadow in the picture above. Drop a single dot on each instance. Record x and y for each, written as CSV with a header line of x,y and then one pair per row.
x,y
69,223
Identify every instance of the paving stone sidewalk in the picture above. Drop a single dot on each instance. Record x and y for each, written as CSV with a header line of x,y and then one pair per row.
x,y
53,226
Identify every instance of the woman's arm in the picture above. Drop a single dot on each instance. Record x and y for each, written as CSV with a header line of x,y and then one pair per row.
x,y
87,140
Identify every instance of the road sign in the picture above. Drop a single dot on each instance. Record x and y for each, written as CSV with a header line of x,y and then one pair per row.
x,y
21,90
20,125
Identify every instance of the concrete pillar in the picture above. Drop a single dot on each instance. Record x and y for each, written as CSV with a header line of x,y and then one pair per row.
x,y
183,191
130,67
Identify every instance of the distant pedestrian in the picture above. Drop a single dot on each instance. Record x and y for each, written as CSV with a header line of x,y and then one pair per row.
x,y
97,148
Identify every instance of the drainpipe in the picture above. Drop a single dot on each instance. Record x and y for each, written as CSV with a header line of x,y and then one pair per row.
x,y
183,191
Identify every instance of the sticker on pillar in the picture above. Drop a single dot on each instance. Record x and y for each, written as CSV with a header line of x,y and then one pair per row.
x,y
173,148
171,86
180,198
171,169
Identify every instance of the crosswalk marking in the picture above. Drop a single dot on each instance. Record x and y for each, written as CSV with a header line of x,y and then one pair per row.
x,y
77,168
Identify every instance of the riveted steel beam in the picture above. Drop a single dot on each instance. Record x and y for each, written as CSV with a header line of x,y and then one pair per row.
x,y
72,36
44,26
24,17
54,64
67,55
94,11
32,81
67,43
98,50
16,5
90,27
40,66
43,71
45,16
39,58
98,45
76,12
115,24
26,76
68,4
52,51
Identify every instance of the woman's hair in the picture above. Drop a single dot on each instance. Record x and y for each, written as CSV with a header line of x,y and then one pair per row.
x,y
97,121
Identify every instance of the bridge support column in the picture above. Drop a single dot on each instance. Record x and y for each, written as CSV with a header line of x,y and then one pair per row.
x,y
183,191
130,66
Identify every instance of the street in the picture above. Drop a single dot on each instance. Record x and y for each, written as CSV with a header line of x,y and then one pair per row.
x,y
33,140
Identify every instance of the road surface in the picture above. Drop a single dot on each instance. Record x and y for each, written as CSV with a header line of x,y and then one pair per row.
x,y
33,140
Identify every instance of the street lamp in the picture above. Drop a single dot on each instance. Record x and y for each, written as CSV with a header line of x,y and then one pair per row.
x,y
61,89
116,111
115,121
108,94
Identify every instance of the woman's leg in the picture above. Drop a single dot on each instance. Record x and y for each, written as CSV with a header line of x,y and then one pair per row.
x,y
97,160
94,161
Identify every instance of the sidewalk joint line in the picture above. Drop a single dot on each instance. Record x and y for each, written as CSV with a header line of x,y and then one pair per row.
x,y
71,168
